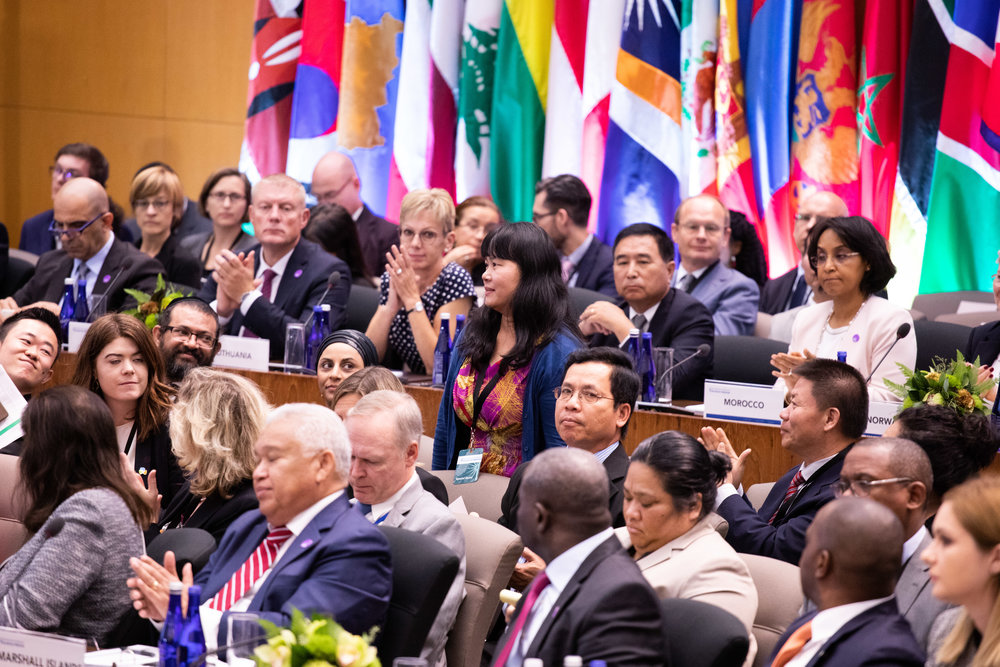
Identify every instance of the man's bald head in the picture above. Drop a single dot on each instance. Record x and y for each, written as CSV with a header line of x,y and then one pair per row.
x,y
854,552
821,204
335,181
86,191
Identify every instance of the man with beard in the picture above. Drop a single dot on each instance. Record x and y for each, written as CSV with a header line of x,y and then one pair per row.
x,y
188,336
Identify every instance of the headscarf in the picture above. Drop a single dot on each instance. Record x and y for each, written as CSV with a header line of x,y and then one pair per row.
x,y
360,342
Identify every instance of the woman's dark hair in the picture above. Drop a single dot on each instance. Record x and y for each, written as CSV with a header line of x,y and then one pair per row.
x,y
154,405
860,235
63,456
540,307
214,179
332,226
686,469
750,260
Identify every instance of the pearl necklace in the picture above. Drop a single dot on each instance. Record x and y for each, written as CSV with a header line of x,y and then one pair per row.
x,y
830,316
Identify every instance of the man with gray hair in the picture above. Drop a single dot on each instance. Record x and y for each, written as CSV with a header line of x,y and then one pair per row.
x,y
590,600
305,548
384,428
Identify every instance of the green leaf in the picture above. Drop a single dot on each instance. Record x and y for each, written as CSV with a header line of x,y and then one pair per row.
x,y
140,297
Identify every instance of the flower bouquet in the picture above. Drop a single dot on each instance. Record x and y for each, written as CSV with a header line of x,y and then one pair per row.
x,y
149,306
318,642
949,383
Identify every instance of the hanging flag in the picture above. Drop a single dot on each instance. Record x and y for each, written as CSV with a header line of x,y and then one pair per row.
x,y
561,153
520,91
734,173
642,157
773,46
991,110
963,218
277,32
424,146
475,98
317,88
369,82
699,47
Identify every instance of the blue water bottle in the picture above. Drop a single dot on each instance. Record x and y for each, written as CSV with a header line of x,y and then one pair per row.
x,y
320,330
459,325
172,625
442,352
81,308
66,312
648,369
192,638
842,356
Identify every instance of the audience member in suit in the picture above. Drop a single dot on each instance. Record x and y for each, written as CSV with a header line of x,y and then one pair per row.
x,y
897,473
849,569
335,181
187,335
119,362
280,280
701,231
826,414
792,289
852,263
561,208
384,429
329,559
984,344
215,454
225,200
83,222
71,161
83,516
157,199
590,600
644,264
670,528
192,218
964,560
474,219
29,346
340,355
333,228
361,383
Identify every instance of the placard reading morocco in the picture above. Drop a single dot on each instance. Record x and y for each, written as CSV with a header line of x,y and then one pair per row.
x,y
758,403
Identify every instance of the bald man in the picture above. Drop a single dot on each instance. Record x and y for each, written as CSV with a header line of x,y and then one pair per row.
x,y
590,600
82,222
793,289
896,472
849,569
335,181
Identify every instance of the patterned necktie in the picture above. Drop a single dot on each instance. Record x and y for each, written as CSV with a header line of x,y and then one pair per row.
x,y
793,645
687,282
793,488
798,297
243,579
538,585
567,268
639,322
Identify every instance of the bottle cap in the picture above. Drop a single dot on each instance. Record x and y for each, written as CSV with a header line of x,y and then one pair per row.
x,y
69,281
572,661
633,332
445,316
325,308
176,587
533,662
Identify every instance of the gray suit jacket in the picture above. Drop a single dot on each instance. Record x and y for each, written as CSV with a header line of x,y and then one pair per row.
x,y
913,594
419,511
731,297
942,627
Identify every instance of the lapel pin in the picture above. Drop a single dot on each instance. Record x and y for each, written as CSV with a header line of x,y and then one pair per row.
x,y
306,543
298,273
106,279
855,338
142,470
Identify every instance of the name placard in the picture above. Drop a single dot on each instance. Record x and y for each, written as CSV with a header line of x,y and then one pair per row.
x,y
880,417
19,648
249,354
77,330
758,403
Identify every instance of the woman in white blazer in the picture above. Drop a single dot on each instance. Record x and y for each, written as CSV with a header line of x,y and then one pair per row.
x,y
852,264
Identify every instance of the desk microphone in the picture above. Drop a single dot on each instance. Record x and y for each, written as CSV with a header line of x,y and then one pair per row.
x,y
126,265
330,284
901,333
702,351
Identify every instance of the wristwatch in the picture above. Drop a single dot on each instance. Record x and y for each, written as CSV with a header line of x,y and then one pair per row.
x,y
417,308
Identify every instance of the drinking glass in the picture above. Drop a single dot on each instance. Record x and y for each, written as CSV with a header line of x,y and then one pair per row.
x,y
663,358
295,347
245,634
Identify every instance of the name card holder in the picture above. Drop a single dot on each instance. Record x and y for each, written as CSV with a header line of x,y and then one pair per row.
x,y
737,401
880,417
77,330
21,648
248,354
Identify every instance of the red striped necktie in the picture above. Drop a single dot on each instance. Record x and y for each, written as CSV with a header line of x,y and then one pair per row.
x,y
260,561
793,488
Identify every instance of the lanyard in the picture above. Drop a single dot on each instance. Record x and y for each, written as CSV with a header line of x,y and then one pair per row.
x,y
479,397
131,436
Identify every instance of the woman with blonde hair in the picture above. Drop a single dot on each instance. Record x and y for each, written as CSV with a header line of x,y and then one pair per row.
x,y
158,204
419,286
213,427
964,561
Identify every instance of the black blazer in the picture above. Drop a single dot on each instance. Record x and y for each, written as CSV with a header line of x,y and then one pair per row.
x,y
984,342
180,266
377,235
683,323
775,293
595,270
154,453
214,515
192,222
606,612
878,636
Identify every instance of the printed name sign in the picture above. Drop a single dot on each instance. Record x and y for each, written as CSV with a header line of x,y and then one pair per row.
x,y
759,403
880,417
77,330
38,649
248,354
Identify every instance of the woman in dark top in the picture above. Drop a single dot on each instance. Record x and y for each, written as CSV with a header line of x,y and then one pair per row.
x,y
331,226
158,204
225,199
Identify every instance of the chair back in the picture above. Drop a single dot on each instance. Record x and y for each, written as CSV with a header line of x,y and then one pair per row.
x,y
779,599
491,552
13,534
361,306
690,643
970,319
482,496
745,358
423,571
939,339
190,545
19,272
757,493
941,303
580,298
425,453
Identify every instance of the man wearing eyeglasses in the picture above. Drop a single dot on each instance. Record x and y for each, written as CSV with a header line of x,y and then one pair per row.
x,y
90,252
701,231
188,336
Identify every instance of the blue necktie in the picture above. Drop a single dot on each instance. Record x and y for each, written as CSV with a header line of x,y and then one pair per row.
x,y
798,293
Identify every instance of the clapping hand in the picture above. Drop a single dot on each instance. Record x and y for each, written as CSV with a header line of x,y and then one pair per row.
x,y
716,439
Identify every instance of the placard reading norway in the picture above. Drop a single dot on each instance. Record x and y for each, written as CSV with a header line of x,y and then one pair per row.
x,y
758,403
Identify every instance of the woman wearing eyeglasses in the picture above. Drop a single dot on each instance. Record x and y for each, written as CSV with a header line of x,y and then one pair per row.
x,y
852,264
158,203
418,285
225,199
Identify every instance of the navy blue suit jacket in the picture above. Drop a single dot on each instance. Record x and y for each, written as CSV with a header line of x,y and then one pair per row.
x,y
775,292
595,270
302,284
874,638
338,565
377,236
984,342
35,235
749,531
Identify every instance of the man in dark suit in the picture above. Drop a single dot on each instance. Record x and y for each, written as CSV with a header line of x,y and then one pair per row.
x,y
318,554
561,208
643,268
848,569
280,280
826,414
590,600
791,289
89,250
896,472
335,181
